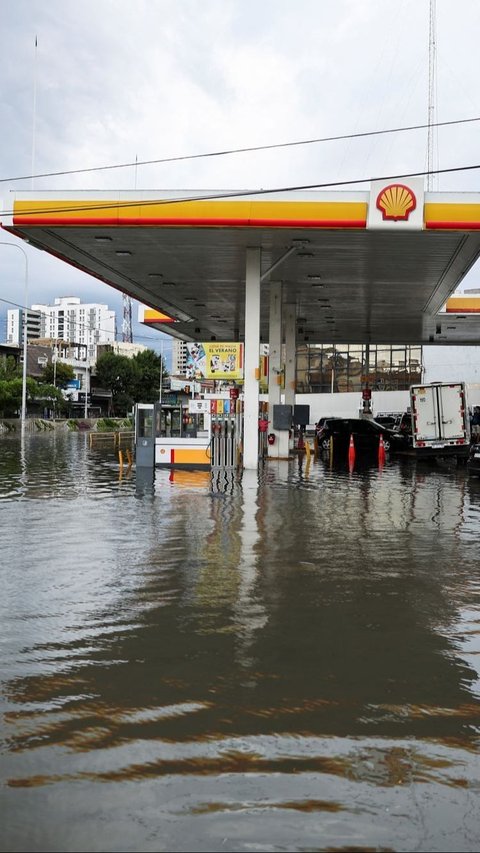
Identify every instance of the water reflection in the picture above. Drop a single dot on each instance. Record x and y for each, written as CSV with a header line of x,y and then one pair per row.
x,y
286,661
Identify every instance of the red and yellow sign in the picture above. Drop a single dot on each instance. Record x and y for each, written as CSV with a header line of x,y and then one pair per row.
x,y
462,304
150,315
396,202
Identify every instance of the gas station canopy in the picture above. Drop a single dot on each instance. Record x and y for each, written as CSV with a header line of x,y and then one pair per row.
x,y
373,266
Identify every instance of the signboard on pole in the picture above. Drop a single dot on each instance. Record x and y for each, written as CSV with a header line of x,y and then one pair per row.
x,y
199,407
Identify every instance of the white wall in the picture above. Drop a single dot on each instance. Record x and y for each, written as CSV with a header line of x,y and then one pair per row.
x,y
451,364
348,404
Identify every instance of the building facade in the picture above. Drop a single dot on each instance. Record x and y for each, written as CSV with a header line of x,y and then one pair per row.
x,y
15,324
125,348
83,325
179,357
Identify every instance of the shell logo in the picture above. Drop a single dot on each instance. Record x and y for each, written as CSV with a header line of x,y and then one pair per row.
x,y
396,202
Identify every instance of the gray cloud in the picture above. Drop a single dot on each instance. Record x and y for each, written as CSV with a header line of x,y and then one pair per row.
x,y
116,80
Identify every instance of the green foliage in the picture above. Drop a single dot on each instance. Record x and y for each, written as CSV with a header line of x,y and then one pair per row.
x,y
131,380
11,396
114,424
72,424
9,369
61,374
52,397
148,368
107,425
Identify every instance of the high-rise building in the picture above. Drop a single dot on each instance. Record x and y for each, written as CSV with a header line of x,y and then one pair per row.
x,y
15,321
179,357
83,325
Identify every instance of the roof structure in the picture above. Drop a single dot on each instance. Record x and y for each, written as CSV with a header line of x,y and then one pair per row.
x,y
372,266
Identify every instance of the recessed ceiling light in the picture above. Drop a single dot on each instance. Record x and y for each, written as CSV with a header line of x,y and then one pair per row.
x,y
200,305
305,255
155,274
319,284
122,252
302,241
103,239
314,277
190,299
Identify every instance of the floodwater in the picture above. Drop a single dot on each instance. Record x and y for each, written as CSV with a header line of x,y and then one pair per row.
x,y
282,663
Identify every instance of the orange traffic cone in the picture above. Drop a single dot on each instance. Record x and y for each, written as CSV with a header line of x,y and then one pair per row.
x,y
351,451
381,451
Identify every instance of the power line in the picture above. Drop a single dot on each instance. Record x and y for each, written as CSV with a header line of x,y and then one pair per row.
x,y
237,193
246,150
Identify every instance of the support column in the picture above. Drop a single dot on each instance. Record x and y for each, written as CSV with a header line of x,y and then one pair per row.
x,y
290,358
252,349
275,362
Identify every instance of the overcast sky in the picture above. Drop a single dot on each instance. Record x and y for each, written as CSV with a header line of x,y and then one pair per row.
x,y
117,81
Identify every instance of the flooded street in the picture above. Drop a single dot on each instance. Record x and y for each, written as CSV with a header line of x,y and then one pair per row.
x,y
288,662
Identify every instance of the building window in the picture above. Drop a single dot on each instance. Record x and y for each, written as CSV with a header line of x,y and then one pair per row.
x,y
323,368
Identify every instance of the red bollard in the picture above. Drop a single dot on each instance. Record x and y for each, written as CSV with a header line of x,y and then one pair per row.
x,y
381,451
351,451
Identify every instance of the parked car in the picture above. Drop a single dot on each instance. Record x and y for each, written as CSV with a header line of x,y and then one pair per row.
x,y
366,435
473,462
388,420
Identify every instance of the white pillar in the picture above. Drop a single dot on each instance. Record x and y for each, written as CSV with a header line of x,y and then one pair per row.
x,y
290,358
274,361
252,350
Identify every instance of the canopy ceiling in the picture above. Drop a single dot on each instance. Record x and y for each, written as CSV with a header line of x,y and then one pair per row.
x,y
352,278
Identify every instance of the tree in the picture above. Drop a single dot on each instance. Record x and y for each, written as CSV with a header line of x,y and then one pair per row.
x,y
149,368
116,373
10,397
50,395
9,369
60,374
131,380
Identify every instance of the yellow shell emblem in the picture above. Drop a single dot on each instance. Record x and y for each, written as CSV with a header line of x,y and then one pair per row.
x,y
396,202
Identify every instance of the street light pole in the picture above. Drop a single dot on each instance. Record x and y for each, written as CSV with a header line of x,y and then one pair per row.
x,y
86,388
25,320
161,374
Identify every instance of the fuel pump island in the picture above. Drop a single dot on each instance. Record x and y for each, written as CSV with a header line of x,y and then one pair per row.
x,y
190,433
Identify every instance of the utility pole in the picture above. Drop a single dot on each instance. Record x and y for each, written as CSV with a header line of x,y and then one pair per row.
x,y
161,374
432,50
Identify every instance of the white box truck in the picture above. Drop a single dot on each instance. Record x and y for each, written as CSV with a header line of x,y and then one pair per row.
x,y
440,421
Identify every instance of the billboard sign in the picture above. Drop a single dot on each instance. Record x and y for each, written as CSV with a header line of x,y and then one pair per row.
x,y
214,361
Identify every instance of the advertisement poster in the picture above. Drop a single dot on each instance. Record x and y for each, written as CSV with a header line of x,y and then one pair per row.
x,y
214,361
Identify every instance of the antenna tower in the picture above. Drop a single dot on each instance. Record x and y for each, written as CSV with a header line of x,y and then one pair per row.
x,y
127,334
432,63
